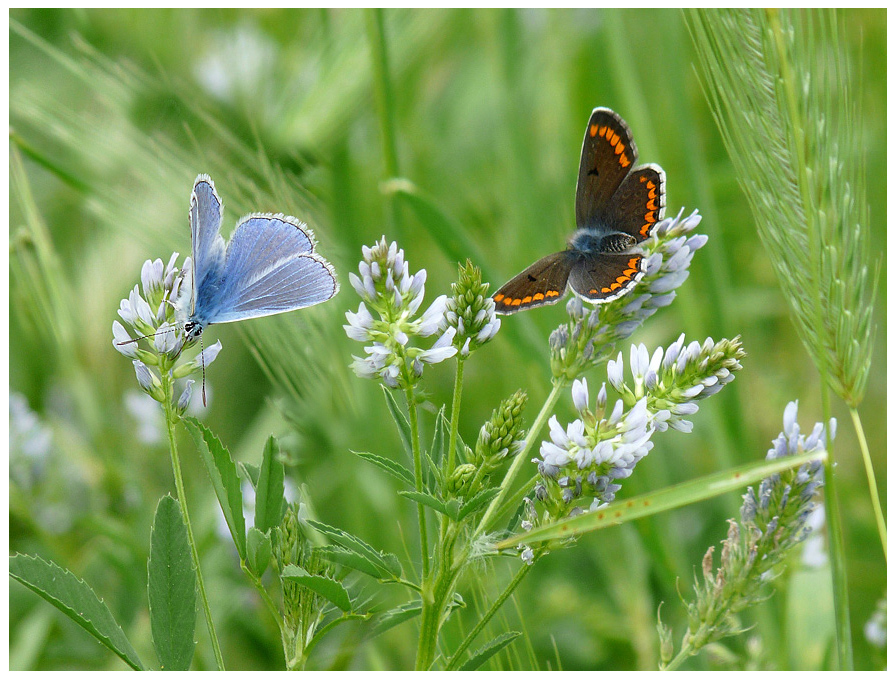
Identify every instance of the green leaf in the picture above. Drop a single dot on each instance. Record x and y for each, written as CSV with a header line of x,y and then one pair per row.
x,y
331,590
224,479
388,563
351,559
483,653
394,617
250,472
76,599
432,501
259,551
172,588
400,419
663,500
270,500
391,467
478,501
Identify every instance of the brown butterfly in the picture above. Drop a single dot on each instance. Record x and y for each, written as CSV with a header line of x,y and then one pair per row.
x,y
617,206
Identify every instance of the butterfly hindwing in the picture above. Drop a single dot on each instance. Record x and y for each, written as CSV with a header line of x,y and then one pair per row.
x,y
639,202
544,282
607,156
603,277
270,267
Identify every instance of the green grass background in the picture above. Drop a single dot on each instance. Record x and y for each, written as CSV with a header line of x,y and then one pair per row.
x,y
114,113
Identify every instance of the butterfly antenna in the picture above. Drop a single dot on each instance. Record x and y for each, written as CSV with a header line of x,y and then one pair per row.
x,y
137,339
202,354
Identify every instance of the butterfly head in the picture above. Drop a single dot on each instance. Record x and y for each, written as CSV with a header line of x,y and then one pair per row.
x,y
193,331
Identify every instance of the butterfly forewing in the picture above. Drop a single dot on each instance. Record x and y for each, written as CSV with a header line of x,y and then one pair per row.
x,y
206,211
271,267
639,202
607,156
603,278
544,282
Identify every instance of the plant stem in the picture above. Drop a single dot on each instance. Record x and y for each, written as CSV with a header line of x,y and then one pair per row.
x,y
480,625
272,607
871,480
418,481
455,416
170,419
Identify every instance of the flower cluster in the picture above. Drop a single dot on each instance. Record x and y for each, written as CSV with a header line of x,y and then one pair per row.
x,y
591,453
470,310
151,316
389,289
774,519
674,379
500,438
589,337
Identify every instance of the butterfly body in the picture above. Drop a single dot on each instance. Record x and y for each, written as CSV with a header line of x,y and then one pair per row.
x,y
268,267
616,207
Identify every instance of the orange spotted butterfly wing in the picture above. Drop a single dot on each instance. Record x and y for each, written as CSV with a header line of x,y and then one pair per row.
x,y
616,207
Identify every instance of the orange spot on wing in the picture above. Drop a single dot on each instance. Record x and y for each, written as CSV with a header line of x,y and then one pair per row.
x,y
593,291
499,296
615,286
603,131
614,139
619,148
622,279
650,217
552,293
624,161
629,272
538,297
527,299
652,194
645,230
593,130
650,185
632,263
651,205
606,290
515,302
642,179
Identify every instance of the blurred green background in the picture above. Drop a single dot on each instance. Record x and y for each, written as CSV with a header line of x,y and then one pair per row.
x,y
112,116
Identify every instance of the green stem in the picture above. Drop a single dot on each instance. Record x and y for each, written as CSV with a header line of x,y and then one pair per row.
x,y
871,481
520,459
170,419
837,543
418,479
480,625
455,417
677,660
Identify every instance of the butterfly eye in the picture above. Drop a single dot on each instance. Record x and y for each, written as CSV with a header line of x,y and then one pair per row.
x,y
192,329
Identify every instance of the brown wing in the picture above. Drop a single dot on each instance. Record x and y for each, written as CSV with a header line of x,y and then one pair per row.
x,y
544,282
639,202
602,278
607,155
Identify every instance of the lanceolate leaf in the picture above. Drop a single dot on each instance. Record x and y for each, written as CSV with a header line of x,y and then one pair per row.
x,y
270,501
661,500
483,653
224,479
388,563
172,588
390,467
331,590
399,417
76,599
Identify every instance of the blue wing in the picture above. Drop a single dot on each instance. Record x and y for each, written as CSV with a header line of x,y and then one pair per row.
x,y
270,267
206,211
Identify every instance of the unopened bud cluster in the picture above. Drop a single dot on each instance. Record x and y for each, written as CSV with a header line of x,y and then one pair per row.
x,y
470,311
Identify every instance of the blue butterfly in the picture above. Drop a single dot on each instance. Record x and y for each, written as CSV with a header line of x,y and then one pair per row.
x,y
268,267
